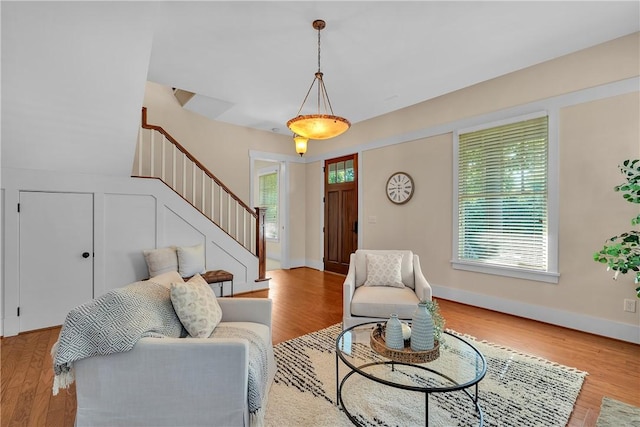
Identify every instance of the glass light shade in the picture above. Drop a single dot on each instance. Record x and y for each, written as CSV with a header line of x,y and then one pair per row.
x,y
318,126
301,144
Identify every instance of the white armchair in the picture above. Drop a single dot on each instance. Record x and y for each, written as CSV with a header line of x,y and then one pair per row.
x,y
370,302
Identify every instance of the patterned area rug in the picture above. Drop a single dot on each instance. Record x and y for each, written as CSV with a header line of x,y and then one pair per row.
x,y
518,390
614,413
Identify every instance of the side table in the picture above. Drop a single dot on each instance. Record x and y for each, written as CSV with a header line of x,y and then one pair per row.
x,y
219,276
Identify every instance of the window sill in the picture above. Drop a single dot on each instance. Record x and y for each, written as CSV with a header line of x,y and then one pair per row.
x,y
538,276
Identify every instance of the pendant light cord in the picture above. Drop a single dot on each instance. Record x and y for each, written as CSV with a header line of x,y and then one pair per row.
x,y
318,49
323,96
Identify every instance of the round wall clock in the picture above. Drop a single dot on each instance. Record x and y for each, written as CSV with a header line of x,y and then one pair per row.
x,y
400,188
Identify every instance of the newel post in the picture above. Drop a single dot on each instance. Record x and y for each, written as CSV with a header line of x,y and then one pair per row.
x,y
261,243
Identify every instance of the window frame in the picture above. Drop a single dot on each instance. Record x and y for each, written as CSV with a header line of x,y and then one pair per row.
x,y
271,171
550,275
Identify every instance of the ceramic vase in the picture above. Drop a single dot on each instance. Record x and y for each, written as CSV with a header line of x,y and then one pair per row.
x,y
422,329
393,334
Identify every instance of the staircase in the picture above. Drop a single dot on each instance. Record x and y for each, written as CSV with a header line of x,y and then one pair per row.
x,y
160,156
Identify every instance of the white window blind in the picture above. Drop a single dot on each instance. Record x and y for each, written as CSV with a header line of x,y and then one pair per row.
x,y
502,195
268,198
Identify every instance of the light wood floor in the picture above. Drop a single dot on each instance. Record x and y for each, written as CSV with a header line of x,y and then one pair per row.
x,y
307,300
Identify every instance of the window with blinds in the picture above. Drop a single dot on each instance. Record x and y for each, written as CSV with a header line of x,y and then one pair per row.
x,y
268,199
502,194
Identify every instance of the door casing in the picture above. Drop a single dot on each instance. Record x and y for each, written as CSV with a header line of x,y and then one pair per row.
x,y
340,218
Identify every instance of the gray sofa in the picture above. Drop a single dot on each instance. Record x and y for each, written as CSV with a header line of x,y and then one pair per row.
x,y
176,381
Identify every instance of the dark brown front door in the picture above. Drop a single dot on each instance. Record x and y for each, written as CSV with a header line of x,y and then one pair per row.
x,y
340,212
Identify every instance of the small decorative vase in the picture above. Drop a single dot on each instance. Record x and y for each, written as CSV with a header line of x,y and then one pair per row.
x,y
393,335
406,332
422,329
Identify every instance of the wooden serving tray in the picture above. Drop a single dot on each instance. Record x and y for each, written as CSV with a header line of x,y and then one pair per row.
x,y
405,355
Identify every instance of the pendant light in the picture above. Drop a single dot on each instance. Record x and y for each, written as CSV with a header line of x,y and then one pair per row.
x,y
324,124
301,144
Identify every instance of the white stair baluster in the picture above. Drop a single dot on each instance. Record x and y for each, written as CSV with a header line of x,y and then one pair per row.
x,y
152,154
163,157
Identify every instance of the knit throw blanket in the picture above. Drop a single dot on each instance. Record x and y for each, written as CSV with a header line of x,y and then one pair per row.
x,y
113,323
258,368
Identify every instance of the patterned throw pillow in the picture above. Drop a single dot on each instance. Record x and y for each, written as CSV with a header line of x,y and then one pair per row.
x,y
384,270
196,305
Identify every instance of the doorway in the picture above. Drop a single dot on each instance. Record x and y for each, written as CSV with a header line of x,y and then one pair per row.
x,y
340,212
55,256
268,184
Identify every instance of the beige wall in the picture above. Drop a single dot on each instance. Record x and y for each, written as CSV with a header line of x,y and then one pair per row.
x,y
313,237
595,138
424,223
297,214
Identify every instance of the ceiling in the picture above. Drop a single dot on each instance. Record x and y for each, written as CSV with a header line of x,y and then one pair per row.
x,y
73,73
251,63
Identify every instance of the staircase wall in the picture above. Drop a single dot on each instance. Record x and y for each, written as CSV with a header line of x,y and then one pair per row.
x,y
130,215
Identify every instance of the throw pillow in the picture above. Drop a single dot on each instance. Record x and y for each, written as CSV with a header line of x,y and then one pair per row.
x,y
190,260
162,260
166,279
384,270
196,305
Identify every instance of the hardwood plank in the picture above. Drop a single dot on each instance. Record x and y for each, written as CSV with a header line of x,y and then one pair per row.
x,y
15,375
9,402
28,405
10,355
43,392
306,300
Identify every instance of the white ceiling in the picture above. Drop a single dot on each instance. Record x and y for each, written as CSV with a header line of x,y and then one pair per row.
x,y
74,72
251,63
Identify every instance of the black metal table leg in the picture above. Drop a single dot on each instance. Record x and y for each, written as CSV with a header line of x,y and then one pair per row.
x,y
337,391
426,409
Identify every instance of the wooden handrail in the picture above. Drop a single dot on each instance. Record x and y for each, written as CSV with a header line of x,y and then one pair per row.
x,y
202,167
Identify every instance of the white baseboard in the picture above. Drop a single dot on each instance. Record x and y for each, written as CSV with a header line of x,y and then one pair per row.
x,y
296,262
11,326
318,265
566,319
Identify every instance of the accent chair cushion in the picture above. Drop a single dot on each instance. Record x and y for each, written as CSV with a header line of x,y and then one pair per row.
x,y
161,260
190,260
406,267
382,301
384,270
196,305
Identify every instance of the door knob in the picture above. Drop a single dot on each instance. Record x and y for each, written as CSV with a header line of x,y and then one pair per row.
x,y
85,255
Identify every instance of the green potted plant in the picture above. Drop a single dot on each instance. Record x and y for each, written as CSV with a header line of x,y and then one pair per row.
x,y
438,321
622,253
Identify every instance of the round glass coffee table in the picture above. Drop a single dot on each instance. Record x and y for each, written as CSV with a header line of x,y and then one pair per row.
x,y
459,367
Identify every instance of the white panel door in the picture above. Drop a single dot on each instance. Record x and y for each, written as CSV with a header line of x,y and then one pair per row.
x,y
56,256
